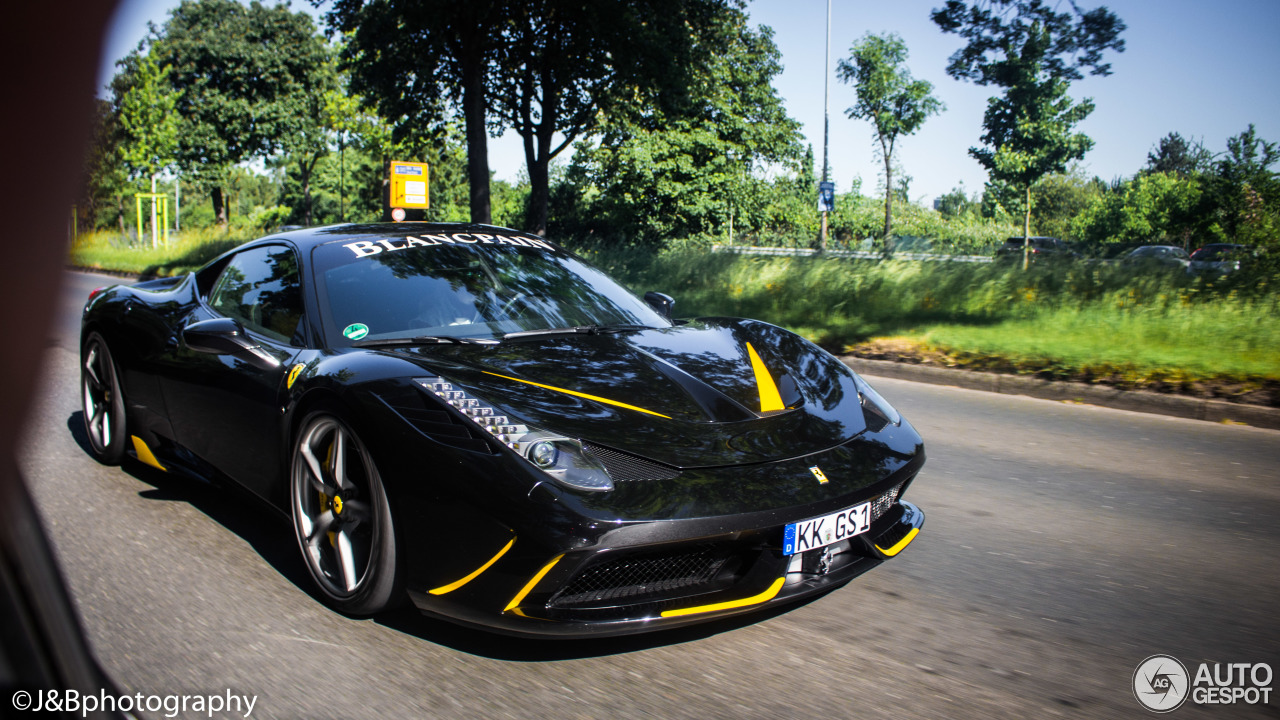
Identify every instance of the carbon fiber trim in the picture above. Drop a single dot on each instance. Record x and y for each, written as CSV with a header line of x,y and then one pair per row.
x,y
629,468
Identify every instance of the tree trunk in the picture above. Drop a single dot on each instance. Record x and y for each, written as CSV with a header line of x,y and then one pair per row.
x,y
386,189
539,194
306,169
120,216
538,161
888,205
474,108
1026,232
219,207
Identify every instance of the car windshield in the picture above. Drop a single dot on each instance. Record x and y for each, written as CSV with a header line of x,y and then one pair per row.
x,y
453,286
1217,252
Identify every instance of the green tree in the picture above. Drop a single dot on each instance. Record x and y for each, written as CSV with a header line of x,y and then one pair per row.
x,y
567,63
661,174
144,105
1033,52
546,68
1246,191
1175,154
417,59
1154,207
889,98
311,127
243,75
955,203
1061,198
107,182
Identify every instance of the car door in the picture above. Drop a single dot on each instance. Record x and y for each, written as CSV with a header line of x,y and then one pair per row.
x,y
225,408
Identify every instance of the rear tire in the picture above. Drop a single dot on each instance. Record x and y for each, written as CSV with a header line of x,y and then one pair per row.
x,y
104,413
342,519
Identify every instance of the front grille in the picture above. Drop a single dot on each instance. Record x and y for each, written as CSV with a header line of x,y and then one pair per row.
x,y
641,577
881,505
629,468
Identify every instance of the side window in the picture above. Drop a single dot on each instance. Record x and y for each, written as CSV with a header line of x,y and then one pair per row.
x,y
263,290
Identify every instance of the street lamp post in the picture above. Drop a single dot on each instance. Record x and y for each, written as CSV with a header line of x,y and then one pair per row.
x,y
826,192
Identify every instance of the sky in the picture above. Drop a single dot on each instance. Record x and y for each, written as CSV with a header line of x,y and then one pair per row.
x,y
1204,70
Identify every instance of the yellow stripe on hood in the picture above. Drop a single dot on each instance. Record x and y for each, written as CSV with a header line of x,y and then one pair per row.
x,y
575,393
770,400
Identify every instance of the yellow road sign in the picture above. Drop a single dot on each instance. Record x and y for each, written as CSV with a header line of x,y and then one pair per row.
x,y
409,184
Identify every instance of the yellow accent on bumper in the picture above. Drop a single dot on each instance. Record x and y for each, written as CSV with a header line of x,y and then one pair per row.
x,y
765,596
900,544
770,400
575,393
455,585
145,454
527,588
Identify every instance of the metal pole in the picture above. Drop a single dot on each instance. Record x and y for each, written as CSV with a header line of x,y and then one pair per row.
x,y
177,203
155,231
826,124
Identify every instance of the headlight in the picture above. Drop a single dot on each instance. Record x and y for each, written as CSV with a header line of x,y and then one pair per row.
x,y
877,411
562,458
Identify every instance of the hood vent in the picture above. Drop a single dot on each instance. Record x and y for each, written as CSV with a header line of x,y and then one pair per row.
x,y
629,468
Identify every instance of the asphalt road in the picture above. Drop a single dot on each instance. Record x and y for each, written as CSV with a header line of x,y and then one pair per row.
x,y
1064,544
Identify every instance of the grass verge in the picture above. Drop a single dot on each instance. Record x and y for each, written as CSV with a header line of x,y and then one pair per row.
x,y
1096,322
189,251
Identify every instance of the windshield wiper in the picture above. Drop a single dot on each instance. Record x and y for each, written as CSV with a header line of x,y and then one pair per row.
x,y
577,330
421,340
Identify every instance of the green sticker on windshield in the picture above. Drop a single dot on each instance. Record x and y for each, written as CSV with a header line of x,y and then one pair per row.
x,y
355,331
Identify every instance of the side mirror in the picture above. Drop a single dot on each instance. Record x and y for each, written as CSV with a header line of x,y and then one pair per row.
x,y
660,302
224,336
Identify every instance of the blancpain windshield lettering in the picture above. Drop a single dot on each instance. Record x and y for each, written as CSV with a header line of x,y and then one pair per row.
x,y
365,248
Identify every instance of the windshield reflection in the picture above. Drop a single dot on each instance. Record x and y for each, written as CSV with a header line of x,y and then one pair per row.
x,y
474,291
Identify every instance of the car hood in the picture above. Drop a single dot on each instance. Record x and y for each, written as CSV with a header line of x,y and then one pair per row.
x,y
689,396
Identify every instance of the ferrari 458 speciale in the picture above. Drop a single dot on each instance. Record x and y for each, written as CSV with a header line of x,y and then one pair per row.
x,y
478,421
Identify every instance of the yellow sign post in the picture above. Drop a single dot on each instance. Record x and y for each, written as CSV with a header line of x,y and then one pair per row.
x,y
409,185
164,212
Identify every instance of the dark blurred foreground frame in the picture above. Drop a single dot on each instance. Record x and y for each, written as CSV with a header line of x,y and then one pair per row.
x,y
50,56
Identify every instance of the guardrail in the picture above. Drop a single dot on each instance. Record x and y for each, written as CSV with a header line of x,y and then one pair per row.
x,y
860,254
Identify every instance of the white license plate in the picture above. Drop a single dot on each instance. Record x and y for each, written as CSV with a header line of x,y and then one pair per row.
x,y
823,531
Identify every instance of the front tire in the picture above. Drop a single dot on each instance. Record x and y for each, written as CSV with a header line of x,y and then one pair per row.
x,y
104,414
342,519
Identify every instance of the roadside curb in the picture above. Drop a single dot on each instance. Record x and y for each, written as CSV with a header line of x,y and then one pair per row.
x,y
1135,400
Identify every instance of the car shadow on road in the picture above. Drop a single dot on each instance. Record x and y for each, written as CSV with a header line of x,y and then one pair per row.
x,y
269,534
518,649
265,530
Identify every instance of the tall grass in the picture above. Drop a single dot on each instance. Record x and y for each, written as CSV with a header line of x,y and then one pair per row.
x,y
1229,339
1075,318
187,251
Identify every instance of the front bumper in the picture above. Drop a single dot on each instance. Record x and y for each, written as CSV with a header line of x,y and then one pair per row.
x,y
622,588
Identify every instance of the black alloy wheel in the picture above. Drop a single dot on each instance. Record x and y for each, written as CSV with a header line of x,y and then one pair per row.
x,y
342,519
104,416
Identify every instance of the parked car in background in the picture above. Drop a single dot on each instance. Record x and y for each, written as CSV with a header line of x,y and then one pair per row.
x,y
1218,258
1041,247
1168,257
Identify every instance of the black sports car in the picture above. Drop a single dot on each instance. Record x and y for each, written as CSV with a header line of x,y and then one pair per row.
x,y
478,420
